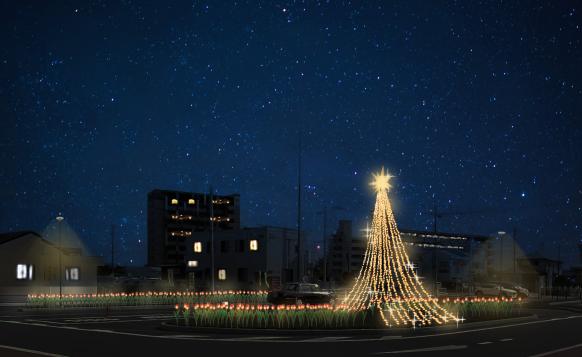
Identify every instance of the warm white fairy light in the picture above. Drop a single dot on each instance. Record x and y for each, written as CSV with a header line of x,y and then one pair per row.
x,y
387,280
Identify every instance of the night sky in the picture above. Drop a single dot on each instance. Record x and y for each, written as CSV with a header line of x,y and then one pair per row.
x,y
473,105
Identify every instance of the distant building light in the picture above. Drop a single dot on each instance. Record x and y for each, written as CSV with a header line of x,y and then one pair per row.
x,y
254,245
221,201
191,201
174,201
221,274
181,217
197,247
181,233
192,263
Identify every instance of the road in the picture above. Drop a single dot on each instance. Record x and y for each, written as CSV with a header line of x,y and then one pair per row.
x,y
555,332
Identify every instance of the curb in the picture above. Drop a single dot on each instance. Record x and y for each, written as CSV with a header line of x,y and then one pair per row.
x,y
165,326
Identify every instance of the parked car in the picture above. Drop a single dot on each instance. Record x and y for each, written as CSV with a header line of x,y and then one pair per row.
x,y
300,293
521,291
494,289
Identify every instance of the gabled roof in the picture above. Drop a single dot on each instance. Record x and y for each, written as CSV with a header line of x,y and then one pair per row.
x,y
7,237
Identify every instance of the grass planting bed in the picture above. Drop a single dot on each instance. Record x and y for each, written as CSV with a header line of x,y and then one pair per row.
x,y
328,317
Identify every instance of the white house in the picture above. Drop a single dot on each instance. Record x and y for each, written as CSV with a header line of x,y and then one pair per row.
x,y
30,264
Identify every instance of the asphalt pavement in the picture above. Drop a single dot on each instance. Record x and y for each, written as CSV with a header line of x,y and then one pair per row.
x,y
553,331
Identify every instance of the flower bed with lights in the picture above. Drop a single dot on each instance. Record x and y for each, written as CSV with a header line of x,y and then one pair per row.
x,y
320,317
274,316
145,298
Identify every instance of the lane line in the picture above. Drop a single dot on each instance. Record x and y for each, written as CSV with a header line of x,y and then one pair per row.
x,y
506,339
100,321
484,343
214,338
20,349
428,349
557,351
326,339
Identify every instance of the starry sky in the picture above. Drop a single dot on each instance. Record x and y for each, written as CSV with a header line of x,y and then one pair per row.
x,y
473,106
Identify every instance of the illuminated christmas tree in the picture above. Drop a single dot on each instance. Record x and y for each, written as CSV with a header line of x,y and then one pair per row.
x,y
387,280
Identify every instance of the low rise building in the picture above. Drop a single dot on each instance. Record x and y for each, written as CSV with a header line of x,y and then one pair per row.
x,y
30,264
444,260
249,258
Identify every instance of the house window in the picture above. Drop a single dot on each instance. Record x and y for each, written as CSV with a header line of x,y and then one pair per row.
x,y
72,273
24,272
197,247
192,263
191,201
174,201
221,274
239,246
254,245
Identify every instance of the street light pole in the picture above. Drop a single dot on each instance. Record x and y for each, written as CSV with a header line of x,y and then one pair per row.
x,y
60,219
212,236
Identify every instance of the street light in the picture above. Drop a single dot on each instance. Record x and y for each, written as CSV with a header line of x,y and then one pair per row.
x,y
60,219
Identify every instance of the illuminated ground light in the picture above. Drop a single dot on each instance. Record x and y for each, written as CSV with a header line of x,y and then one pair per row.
x,y
387,280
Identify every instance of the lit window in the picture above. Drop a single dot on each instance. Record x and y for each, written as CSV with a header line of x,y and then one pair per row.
x,y
221,274
174,201
72,273
254,245
192,263
191,201
197,247
24,272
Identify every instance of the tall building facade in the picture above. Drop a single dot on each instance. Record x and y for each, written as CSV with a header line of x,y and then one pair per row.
x,y
174,216
346,253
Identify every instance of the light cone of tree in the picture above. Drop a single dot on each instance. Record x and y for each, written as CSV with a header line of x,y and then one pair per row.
x,y
387,280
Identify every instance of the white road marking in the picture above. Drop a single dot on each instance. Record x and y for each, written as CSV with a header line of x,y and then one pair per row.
x,y
326,339
81,321
506,339
257,338
428,349
558,350
91,319
484,343
214,338
35,352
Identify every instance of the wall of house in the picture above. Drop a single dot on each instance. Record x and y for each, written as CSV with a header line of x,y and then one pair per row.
x,y
33,251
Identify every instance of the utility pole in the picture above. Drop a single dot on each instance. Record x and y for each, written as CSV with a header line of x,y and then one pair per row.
x,y
434,216
212,235
324,244
113,250
435,257
60,219
514,253
299,210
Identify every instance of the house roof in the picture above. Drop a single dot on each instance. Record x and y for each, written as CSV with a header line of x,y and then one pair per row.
x,y
8,236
